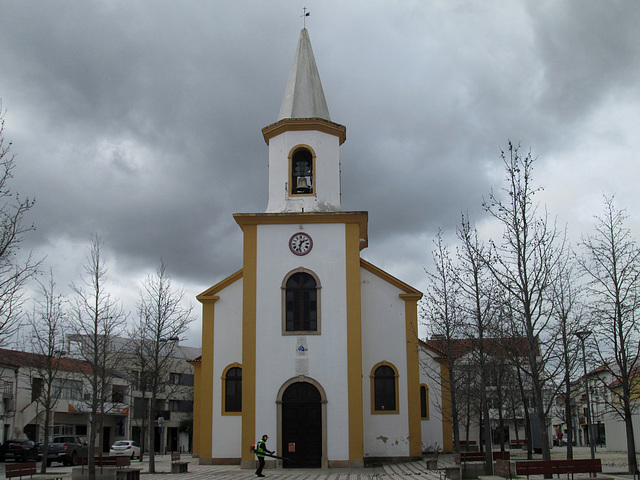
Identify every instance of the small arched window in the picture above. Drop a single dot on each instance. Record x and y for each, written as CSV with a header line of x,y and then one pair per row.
x,y
301,303
424,402
384,389
232,388
302,172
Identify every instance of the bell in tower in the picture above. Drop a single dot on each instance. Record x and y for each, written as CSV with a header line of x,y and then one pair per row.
x,y
302,172
304,144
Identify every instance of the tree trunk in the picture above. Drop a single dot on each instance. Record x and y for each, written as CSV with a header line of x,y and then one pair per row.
x,y
568,417
631,442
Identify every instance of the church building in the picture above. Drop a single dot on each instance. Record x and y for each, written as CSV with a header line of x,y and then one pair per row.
x,y
309,343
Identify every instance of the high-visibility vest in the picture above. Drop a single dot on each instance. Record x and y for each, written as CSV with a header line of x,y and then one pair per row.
x,y
261,450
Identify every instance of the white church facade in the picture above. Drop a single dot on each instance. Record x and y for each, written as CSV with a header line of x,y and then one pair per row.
x,y
308,342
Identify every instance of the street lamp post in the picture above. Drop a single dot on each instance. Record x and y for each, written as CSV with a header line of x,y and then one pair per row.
x,y
582,335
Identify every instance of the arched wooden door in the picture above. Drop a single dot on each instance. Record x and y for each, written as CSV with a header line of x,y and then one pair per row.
x,y
302,426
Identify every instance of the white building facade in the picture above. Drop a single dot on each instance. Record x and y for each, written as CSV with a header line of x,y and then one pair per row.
x,y
308,342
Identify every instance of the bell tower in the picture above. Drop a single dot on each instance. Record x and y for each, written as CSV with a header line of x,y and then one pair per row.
x,y
304,156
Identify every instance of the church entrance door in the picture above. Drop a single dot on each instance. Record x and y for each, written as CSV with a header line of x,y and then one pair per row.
x,y
302,426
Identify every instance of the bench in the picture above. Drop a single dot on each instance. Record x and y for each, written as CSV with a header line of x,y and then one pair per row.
x,y
13,470
178,466
469,445
518,443
557,467
123,471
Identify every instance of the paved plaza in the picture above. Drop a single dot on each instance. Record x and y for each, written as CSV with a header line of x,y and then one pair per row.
x,y
614,466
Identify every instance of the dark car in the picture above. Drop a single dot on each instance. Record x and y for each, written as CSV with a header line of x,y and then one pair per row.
x,y
19,450
65,449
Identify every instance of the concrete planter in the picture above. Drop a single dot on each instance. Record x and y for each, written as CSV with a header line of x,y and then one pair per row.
x,y
102,473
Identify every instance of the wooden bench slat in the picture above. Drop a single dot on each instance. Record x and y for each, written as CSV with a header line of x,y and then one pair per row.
x,y
13,470
557,467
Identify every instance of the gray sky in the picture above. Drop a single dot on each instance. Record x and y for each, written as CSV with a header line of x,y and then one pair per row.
x,y
140,120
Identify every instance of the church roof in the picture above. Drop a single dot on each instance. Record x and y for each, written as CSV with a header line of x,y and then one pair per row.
x,y
304,97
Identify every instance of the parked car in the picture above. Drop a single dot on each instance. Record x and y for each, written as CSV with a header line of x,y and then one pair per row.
x,y
19,450
65,449
125,448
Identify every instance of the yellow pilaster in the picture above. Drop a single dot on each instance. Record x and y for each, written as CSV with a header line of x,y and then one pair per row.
x,y
413,372
447,425
354,341
197,408
249,343
203,401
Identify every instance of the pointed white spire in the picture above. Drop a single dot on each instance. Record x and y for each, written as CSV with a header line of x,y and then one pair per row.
x,y
303,97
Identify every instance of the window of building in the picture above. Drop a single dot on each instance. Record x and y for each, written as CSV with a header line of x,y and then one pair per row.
x,y
185,406
301,172
181,379
424,402
119,393
36,389
384,389
140,407
232,389
301,300
67,389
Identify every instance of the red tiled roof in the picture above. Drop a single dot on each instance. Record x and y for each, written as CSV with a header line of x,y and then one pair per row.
x,y
17,359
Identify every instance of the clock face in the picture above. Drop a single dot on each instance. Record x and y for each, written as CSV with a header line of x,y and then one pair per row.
x,y
300,243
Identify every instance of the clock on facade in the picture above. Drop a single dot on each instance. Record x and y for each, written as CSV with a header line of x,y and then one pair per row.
x,y
300,243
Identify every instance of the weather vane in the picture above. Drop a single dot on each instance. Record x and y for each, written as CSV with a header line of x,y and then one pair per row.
x,y
305,14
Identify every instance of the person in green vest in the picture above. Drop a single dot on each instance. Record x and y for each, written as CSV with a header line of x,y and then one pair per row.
x,y
261,451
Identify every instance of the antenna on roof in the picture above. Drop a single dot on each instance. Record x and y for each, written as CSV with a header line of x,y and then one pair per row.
x,y
305,14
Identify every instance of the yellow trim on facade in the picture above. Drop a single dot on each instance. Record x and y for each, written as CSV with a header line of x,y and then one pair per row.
x,y
348,218
353,240
413,372
447,425
250,253
224,389
372,384
205,393
304,124
197,408
378,272
234,277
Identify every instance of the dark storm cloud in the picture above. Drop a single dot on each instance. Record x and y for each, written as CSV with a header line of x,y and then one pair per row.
x,y
141,120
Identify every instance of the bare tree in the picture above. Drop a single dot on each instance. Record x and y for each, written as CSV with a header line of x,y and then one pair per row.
x,y
440,310
568,310
611,263
163,320
13,274
478,303
97,321
524,264
48,322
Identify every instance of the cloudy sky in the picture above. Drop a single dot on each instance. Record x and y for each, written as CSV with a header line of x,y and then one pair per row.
x,y
140,120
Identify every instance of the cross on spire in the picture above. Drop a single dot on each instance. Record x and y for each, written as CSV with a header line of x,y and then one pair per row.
x,y
305,14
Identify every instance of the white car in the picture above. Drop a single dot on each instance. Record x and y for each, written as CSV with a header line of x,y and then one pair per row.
x,y
125,448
